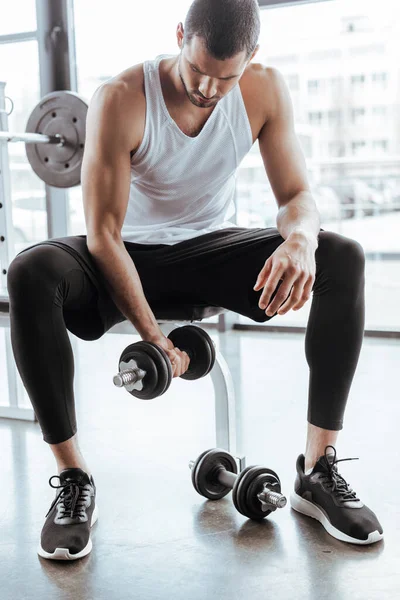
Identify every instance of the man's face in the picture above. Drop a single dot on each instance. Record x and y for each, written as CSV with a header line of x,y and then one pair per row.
x,y
206,80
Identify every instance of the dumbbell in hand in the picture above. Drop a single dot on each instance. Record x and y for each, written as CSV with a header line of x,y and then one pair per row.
x,y
256,491
145,370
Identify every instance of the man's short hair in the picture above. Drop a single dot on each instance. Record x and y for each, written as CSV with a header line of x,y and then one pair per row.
x,y
226,26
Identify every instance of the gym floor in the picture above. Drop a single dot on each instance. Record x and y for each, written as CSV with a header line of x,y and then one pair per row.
x,y
156,538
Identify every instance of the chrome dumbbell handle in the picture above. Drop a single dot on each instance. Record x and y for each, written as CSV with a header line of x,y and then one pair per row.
x,y
266,497
128,377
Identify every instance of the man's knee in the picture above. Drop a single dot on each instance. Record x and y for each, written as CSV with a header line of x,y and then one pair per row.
x,y
339,251
31,267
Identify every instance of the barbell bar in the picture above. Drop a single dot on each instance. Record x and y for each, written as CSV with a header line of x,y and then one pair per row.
x,y
55,138
31,138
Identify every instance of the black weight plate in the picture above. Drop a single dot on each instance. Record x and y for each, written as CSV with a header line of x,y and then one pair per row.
x,y
167,374
194,468
237,488
62,113
192,340
251,485
211,345
206,473
252,504
152,359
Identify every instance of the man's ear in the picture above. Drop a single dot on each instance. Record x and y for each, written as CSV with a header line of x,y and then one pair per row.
x,y
255,52
180,34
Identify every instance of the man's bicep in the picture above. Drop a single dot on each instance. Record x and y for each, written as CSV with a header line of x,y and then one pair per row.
x,y
279,146
106,166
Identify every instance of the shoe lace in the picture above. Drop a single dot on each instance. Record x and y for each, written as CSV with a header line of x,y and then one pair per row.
x,y
334,481
72,497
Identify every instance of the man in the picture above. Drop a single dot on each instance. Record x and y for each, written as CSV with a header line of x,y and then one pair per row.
x,y
164,141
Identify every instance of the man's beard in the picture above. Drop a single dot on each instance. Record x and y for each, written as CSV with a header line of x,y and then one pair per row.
x,y
192,97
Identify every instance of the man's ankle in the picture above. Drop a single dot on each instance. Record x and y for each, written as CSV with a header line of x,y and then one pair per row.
x,y
63,467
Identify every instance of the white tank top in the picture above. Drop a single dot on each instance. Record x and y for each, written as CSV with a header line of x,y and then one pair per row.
x,y
181,186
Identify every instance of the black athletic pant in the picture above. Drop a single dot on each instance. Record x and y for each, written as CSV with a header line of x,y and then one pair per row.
x,y
55,286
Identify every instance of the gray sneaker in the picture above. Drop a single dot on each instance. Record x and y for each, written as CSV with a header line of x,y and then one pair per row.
x,y
66,531
325,496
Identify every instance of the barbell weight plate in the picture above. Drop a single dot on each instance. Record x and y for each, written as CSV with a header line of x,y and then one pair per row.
x,y
152,359
248,485
62,113
205,473
198,344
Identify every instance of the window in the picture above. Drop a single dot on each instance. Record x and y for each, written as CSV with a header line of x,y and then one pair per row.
x,y
379,78
357,80
380,111
380,146
334,117
314,86
336,149
335,82
19,67
357,115
315,118
358,147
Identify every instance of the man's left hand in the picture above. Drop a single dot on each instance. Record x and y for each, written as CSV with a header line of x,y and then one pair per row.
x,y
292,264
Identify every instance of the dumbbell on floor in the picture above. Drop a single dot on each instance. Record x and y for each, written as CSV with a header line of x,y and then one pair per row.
x,y
145,370
256,491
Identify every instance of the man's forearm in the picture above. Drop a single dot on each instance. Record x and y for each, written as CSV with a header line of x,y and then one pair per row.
x,y
299,216
123,282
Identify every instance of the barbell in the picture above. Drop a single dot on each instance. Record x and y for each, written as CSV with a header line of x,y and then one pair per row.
x,y
55,138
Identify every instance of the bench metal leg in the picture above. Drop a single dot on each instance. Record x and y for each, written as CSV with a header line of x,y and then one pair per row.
x,y
225,404
225,409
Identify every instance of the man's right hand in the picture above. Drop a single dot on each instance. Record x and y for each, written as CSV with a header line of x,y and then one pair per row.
x,y
179,358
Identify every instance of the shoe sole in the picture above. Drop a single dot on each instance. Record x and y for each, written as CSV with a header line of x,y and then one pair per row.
x,y
64,553
311,510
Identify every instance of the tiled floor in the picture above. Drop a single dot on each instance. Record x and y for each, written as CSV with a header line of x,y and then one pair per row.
x,y
156,538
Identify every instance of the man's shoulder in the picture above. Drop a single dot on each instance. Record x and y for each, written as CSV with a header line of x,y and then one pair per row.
x,y
262,78
123,98
125,92
260,87
128,83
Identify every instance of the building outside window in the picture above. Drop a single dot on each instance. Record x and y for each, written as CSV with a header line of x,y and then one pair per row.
x,y
380,79
315,118
358,116
336,149
380,146
314,86
358,147
334,117
380,111
357,80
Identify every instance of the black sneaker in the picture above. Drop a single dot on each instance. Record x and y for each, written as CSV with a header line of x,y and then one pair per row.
x,y
66,531
325,496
